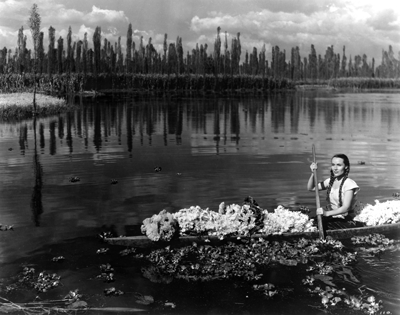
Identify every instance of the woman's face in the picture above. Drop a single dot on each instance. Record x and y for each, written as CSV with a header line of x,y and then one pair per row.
x,y
338,167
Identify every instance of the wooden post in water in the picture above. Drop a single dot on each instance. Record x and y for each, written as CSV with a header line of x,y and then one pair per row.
x,y
319,218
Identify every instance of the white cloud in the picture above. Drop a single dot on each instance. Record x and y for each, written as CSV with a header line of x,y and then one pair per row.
x,y
139,33
8,38
98,15
84,29
386,20
114,23
354,25
362,25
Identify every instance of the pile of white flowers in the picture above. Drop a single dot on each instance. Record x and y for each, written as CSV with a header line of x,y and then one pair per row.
x,y
285,221
195,220
233,220
381,213
229,220
160,227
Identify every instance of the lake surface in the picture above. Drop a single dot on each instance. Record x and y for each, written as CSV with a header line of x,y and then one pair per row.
x,y
207,149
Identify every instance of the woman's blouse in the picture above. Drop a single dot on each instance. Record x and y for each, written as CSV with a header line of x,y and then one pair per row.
x,y
349,184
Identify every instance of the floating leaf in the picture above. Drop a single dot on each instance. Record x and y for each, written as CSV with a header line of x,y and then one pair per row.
x,y
325,279
347,271
172,305
144,299
112,291
77,304
102,250
58,258
74,179
288,262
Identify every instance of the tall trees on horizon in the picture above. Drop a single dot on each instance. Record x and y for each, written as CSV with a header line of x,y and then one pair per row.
x,y
225,59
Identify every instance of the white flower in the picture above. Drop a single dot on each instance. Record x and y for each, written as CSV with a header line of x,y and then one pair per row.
x,y
380,213
285,221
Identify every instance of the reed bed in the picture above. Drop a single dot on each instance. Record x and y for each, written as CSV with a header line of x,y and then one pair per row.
x,y
365,83
63,84
20,105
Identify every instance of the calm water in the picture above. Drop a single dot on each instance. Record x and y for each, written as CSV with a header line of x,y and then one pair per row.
x,y
210,149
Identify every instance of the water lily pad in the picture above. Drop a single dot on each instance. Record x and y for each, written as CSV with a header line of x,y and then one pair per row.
x,y
347,271
144,299
325,279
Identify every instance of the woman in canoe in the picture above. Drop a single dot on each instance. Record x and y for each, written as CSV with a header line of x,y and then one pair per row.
x,y
341,194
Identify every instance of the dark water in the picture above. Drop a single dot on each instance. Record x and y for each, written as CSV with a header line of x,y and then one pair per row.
x,y
210,149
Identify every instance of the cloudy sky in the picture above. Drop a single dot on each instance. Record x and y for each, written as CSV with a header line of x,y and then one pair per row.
x,y
363,26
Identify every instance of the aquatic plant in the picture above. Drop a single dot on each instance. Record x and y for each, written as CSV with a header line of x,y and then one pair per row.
x,y
327,264
41,282
267,288
112,291
102,250
241,260
339,300
46,281
374,244
58,258
74,179
107,273
143,299
372,239
6,227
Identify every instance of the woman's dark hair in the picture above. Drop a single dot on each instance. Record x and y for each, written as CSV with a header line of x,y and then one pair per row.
x,y
346,162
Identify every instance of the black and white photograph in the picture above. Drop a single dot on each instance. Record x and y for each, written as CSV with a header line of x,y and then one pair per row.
x,y
200,157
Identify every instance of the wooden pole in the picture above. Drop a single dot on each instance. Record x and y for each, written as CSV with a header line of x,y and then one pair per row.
x,y
319,218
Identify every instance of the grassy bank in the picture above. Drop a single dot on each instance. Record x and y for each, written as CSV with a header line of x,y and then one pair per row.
x,y
20,105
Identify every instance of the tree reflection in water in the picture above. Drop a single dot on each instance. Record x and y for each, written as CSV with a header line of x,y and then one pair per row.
x,y
36,199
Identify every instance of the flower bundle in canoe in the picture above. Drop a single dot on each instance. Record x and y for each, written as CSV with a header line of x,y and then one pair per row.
x,y
233,220
381,213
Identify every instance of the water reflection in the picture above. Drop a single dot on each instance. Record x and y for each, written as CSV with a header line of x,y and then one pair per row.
x,y
36,199
210,149
97,128
69,132
214,121
41,135
52,141
137,133
23,137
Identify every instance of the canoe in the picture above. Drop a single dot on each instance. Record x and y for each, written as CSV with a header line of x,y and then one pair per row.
x,y
144,242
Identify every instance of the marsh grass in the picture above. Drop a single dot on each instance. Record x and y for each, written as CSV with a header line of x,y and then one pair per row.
x,y
20,105
365,83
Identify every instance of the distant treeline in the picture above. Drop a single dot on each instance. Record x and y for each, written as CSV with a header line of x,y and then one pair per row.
x,y
76,59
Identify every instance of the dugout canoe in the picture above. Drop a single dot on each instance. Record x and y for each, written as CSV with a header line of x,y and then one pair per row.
x,y
340,234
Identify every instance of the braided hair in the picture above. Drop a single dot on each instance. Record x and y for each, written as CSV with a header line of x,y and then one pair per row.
x,y
346,162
